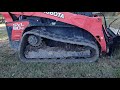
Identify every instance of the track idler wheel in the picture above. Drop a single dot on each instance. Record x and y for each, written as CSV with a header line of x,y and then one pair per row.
x,y
34,40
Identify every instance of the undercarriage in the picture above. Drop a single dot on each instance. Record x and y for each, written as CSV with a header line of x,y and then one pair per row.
x,y
55,44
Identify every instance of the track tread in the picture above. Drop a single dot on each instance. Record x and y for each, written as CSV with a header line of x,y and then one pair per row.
x,y
83,40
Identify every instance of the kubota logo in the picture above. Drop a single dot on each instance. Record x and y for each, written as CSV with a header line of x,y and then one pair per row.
x,y
18,26
56,14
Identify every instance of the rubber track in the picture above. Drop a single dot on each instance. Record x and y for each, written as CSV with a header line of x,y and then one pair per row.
x,y
72,40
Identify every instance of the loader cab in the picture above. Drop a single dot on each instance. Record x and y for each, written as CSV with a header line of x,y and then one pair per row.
x,y
17,17
90,14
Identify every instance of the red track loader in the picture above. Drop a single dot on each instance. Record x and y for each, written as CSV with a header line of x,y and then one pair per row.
x,y
58,36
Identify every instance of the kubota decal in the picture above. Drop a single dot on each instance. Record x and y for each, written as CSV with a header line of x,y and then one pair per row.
x,y
56,14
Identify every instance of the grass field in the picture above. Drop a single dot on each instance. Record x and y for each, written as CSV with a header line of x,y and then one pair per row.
x,y
12,67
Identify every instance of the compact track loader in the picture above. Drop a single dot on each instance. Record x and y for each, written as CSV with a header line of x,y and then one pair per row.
x,y
59,36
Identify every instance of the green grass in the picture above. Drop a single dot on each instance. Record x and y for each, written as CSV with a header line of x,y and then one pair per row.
x,y
12,67
3,35
116,24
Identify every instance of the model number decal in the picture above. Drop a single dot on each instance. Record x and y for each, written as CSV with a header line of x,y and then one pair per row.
x,y
56,14
18,26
